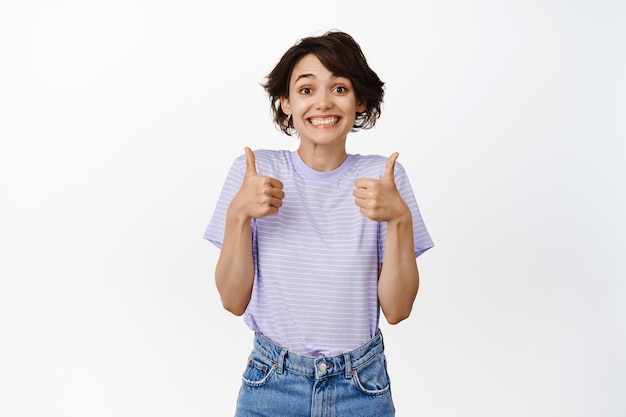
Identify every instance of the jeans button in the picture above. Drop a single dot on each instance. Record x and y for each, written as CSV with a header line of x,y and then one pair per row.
x,y
322,367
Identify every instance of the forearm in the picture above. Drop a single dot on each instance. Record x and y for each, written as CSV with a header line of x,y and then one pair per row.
x,y
234,273
399,278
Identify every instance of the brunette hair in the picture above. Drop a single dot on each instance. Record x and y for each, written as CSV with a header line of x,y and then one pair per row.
x,y
342,56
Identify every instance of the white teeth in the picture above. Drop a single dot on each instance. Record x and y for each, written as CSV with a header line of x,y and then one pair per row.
x,y
326,121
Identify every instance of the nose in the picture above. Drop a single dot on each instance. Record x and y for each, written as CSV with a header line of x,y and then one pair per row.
x,y
323,100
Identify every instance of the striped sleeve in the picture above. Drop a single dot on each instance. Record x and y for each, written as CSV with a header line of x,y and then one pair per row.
x,y
421,237
214,232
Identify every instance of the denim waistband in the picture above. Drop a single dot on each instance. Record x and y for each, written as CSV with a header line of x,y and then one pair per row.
x,y
318,367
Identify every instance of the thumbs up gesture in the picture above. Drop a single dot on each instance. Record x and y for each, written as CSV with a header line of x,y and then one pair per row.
x,y
258,196
379,200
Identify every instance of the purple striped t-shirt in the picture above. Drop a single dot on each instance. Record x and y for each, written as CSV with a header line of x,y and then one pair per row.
x,y
317,260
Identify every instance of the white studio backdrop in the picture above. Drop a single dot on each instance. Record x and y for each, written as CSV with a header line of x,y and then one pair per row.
x,y
120,119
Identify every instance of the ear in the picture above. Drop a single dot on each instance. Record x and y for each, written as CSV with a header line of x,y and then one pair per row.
x,y
361,106
285,106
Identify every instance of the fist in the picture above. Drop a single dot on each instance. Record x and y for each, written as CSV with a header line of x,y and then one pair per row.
x,y
258,196
379,200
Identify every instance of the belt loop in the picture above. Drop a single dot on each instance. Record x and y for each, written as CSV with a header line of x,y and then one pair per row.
x,y
348,361
281,361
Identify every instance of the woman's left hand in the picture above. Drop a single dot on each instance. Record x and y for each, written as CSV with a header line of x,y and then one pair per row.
x,y
379,200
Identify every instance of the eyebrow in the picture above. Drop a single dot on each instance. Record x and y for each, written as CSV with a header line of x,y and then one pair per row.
x,y
303,76
308,75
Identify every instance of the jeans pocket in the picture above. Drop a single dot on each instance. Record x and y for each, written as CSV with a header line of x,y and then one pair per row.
x,y
258,371
372,377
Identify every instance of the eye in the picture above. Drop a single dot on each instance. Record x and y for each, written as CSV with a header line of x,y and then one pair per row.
x,y
305,90
341,89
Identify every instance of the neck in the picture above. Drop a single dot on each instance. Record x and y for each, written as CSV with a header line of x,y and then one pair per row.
x,y
322,158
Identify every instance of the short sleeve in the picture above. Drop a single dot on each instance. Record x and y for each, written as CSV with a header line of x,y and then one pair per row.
x,y
421,238
214,233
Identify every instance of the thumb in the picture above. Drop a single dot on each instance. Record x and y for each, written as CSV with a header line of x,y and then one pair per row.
x,y
250,162
389,168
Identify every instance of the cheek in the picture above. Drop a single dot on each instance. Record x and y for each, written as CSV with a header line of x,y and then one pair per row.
x,y
298,108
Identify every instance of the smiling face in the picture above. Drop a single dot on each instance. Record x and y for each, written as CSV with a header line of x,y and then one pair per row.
x,y
323,106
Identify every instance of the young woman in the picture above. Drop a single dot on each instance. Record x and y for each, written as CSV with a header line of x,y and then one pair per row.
x,y
316,242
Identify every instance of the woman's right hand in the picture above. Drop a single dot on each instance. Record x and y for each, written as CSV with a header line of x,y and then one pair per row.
x,y
259,196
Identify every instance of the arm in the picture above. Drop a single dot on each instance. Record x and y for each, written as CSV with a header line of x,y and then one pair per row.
x,y
399,278
234,273
398,283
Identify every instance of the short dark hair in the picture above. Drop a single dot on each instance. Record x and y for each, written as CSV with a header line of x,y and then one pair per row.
x,y
342,56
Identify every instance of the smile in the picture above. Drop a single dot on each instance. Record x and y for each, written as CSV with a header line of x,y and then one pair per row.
x,y
325,121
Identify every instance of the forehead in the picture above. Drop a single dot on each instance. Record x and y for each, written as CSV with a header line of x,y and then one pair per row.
x,y
309,66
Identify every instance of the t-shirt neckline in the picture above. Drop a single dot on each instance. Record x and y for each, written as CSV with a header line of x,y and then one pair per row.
x,y
310,173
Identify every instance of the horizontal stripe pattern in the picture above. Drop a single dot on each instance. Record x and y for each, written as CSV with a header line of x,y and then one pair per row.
x,y
317,260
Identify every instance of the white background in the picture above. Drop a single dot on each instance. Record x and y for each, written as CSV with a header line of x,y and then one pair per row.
x,y
119,120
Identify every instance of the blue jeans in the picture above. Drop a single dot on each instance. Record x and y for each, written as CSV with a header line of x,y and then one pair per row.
x,y
279,383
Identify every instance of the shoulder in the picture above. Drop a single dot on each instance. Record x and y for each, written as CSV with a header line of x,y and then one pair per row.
x,y
264,156
268,161
270,155
373,166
